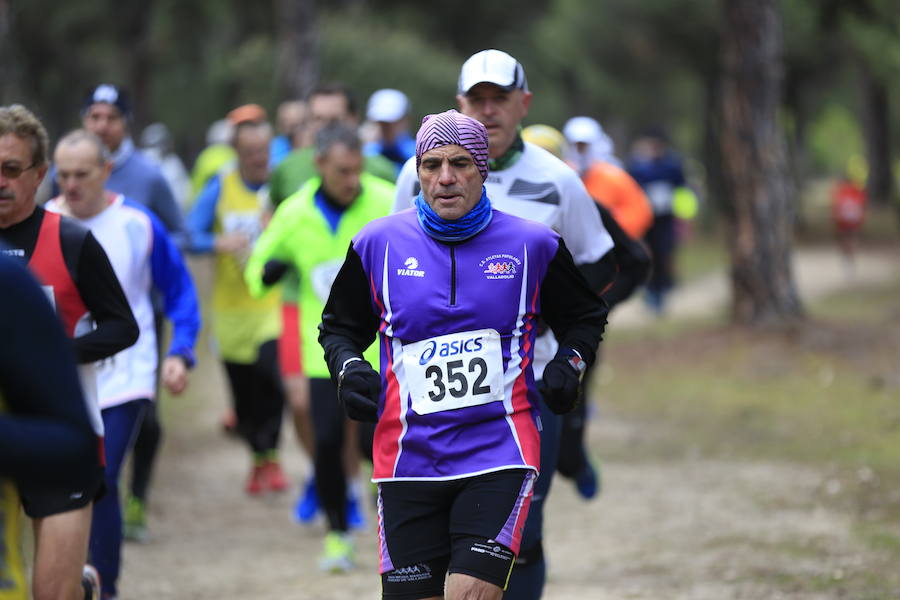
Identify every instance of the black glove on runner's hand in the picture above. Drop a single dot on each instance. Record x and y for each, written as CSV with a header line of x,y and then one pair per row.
x,y
561,380
273,271
359,386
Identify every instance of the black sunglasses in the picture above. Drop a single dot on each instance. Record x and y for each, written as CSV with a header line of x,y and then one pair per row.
x,y
13,170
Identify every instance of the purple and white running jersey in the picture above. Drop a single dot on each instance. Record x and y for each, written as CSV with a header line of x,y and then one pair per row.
x,y
457,326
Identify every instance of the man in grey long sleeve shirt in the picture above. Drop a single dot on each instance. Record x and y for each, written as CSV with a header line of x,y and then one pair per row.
x,y
107,113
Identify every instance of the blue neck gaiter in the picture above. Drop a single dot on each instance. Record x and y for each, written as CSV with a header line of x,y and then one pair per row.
x,y
454,231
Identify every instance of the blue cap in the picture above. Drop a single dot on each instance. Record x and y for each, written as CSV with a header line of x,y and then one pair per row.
x,y
109,94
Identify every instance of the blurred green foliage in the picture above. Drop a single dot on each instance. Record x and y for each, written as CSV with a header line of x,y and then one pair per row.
x,y
627,63
835,137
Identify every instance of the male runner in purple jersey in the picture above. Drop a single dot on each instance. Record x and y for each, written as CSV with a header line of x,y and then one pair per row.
x,y
455,289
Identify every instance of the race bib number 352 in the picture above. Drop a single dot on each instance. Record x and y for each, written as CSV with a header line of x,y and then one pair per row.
x,y
454,371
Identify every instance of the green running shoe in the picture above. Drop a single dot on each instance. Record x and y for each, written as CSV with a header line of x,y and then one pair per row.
x,y
337,553
134,526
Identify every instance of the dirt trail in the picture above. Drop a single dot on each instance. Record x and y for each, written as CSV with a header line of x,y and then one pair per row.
x,y
680,528
818,272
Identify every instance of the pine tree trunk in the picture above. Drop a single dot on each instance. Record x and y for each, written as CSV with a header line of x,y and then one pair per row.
x,y
718,200
298,47
755,168
132,19
876,125
10,87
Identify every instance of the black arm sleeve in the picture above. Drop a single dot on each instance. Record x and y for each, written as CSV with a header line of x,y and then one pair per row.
x,y
572,310
348,323
45,432
102,294
600,275
632,261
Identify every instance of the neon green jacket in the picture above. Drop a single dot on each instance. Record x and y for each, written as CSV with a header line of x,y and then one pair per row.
x,y
300,235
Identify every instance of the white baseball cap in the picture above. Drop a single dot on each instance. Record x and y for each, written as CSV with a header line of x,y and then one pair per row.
x,y
387,105
492,66
582,129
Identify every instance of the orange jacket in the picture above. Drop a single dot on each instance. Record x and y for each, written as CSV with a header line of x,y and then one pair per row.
x,y
615,189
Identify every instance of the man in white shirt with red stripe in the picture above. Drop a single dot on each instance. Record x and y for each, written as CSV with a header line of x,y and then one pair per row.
x,y
143,257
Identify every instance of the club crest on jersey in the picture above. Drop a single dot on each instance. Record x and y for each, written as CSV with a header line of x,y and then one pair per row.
x,y
500,266
411,269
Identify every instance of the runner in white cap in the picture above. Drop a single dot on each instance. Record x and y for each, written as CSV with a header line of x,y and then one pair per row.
x,y
527,181
389,109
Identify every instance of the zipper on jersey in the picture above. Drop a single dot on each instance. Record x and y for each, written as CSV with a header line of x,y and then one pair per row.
x,y
452,276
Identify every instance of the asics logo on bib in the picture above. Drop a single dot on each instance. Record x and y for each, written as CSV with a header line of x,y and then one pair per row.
x,y
454,371
449,348
412,268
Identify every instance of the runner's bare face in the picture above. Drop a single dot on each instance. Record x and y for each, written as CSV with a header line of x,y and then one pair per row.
x,y
328,108
340,168
499,110
107,123
81,174
451,182
252,147
17,193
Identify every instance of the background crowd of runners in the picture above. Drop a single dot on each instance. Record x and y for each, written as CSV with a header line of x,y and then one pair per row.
x,y
276,205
